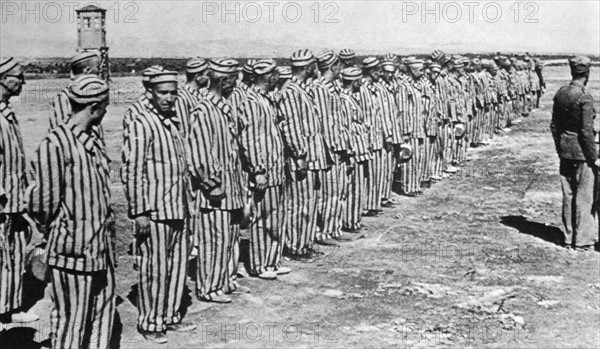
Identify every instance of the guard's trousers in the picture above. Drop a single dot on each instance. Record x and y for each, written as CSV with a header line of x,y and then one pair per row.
x,y
352,214
579,217
83,308
266,230
13,239
302,192
333,200
218,252
162,260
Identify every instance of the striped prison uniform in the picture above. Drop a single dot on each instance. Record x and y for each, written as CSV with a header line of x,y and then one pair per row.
x,y
479,81
261,152
375,176
61,113
71,191
156,183
431,123
214,162
457,114
501,80
187,99
386,92
398,138
14,231
412,128
440,108
326,96
303,139
492,107
359,156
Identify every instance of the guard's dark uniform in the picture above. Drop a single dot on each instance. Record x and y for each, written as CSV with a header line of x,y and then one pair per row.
x,y
573,131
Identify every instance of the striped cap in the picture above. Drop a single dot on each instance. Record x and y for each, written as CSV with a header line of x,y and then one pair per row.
x,y
302,58
477,61
446,59
413,61
264,66
84,56
457,62
351,74
435,67
503,61
195,65
7,64
163,76
388,66
285,72
88,89
390,57
224,65
370,62
347,54
326,59
150,71
437,55
248,66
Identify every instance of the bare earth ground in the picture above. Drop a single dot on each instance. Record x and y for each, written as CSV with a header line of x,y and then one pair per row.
x,y
471,263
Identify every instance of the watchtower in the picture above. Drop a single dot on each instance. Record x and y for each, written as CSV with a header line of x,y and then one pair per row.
x,y
91,35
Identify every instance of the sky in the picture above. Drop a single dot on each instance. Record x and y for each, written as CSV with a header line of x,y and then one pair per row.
x,y
276,28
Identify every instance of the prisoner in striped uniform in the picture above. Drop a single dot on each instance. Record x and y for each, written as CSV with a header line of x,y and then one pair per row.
x,y
261,152
216,170
371,106
326,96
348,58
192,92
359,153
138,107
440,108
70,196
431,123
306,156
84,63
14,232
156,182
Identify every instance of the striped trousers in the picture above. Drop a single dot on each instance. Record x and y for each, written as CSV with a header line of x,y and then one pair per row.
x,y
302,192
333,201
410,173
449,142
476,133
13,240
375,177
162,260
391,162
218,251
266,231
352,214
83,308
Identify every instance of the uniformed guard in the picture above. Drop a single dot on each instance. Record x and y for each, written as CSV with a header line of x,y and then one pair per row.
x,y
157,193
70,196
14,231
572,127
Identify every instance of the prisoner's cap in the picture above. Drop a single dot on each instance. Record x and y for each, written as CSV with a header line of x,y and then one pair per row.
x,y
224,65
249,66
88,89
435,67
526,58
84,56
390,57
370,62
7,65
446,59
437,55
388,66
503,61
163,76
302,58
196,65
347,54
351,74
477,61
458,62
326,59
414,62
264,66
285,72
150,71
580,64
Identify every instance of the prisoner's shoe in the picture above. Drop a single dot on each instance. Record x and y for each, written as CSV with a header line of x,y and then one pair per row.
x,y
24,317
241,289
217,298
283,270
181,327
268,275
387,204
155,337
451,169
326,242
371,213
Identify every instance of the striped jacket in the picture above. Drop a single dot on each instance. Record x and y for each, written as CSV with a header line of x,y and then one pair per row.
x,y
326,96
238,96
187,99
413,117
301,127
71,187
371,108
359,130
154,172
441,95
12,159
214,154
61,113
386,92
456,100
431,120
261,146
136,108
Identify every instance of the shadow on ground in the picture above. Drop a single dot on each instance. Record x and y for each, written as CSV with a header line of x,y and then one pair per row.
x,y
539,230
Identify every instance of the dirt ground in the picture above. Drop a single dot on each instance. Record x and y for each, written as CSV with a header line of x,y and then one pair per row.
x,y
472,263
